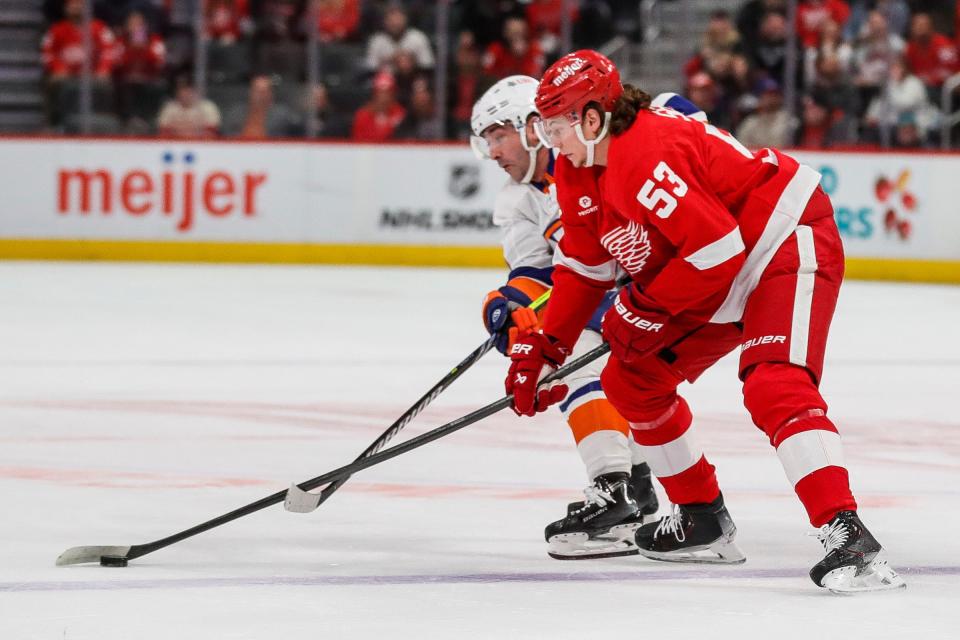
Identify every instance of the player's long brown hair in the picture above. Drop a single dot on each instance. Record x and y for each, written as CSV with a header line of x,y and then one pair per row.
x,y
632,101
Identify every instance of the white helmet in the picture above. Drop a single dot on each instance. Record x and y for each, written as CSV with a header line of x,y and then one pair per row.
x,y
509,101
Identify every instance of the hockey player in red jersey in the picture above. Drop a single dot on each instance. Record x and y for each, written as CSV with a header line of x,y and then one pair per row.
x,y
724,247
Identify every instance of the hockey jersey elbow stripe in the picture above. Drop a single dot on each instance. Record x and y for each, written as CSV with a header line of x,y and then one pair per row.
x,y
544,275
530,288
552,229
718,252
604,272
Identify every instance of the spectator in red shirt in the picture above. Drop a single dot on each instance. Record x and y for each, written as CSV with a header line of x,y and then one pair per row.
x,y
62,46
337,20
812,14
467,85
141,54
515,53
226,20
930,55
545,18
63,58
378,120
141,57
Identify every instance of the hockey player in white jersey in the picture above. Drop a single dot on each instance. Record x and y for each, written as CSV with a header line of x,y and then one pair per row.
x,y
621,493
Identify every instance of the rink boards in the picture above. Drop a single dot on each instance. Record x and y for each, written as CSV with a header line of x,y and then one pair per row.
x,y
130,199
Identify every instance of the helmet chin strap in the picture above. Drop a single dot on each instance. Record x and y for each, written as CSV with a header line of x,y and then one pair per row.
x,y
591,144
532,152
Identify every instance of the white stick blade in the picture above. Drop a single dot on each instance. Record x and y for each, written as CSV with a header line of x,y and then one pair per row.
x,y
299,501
81,555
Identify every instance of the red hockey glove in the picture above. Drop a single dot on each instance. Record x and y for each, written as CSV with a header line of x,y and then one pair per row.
x,y
534,356
633,326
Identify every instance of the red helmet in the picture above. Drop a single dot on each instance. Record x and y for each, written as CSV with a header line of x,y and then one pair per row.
x,y
576,79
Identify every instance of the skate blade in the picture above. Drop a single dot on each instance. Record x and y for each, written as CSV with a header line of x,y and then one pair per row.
x,y
877,576
716,553
616,543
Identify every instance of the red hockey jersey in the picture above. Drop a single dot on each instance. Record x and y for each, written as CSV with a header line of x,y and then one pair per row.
x,y
63,52
685,209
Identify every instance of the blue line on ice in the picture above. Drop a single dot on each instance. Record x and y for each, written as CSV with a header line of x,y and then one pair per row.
x,y
474,578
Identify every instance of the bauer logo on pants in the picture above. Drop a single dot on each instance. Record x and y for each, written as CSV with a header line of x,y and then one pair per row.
x,y
763,340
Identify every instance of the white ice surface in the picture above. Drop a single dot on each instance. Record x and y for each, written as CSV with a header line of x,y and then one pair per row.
x,y
139,400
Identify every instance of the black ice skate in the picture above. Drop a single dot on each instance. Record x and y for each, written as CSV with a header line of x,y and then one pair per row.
x,y
853,562
701,533
641,484
640,487
602,526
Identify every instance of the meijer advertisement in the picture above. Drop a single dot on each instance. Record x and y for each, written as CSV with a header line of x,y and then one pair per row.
x,y
365,200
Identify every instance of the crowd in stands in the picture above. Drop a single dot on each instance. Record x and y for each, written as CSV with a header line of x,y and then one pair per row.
x,y
867,72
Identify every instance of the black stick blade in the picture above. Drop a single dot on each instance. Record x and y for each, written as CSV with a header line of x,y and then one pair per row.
x,y
84,555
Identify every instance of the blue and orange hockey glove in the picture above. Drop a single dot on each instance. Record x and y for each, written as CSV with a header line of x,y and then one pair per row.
x,y
534,356
501,308
634,326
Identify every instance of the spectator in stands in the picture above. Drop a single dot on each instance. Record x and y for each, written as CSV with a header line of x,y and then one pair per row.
x,y
751,16
187,116
277,20
484,18
62,46
767,53
405,74
703,92
467,84
397,34
771,124
896,14
141,58
421,122
63,56
930,55
831,44
875,51
907,134
812,15
515,53
832,81
327,121
904,98
261,117
378,120
227,20
545,19
720,43
821,126
337,20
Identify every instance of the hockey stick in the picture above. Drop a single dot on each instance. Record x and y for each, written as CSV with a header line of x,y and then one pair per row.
x,y
118,556
299,501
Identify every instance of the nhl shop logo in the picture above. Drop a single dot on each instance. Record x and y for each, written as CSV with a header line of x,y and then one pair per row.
x,y
464,181
568,70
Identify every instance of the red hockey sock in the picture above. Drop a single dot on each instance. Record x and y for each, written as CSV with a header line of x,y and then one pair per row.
x,y
675,458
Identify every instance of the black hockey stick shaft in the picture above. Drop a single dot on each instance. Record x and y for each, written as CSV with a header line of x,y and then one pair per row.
x,y
423,402
411,413
137,551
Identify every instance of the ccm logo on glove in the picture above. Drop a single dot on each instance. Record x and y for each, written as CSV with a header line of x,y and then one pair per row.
x,y
636,321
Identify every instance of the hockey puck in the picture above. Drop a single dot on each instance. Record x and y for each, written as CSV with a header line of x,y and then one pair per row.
x,y
113,561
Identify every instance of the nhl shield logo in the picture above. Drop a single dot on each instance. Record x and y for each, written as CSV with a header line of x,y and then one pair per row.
x,y
464,180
